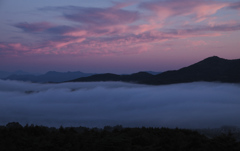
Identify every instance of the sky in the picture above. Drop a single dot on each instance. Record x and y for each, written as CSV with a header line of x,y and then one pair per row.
x,y
97,104
117,36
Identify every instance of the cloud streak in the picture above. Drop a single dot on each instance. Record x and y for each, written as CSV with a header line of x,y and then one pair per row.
x,y
33,27
91,41
193,105
117,30
102,16
235,5
198,9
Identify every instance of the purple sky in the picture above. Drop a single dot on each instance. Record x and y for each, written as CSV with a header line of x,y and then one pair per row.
x,y
120,36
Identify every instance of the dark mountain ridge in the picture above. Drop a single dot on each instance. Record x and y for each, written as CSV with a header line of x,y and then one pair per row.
x,y
212,69
51,76
135,77
5,74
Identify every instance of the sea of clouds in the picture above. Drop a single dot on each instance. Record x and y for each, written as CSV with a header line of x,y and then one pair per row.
x,y
97,104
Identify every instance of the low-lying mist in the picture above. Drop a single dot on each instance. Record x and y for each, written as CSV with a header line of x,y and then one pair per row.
x,y
96,104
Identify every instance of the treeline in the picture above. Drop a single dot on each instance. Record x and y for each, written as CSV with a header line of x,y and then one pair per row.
x,y
14,136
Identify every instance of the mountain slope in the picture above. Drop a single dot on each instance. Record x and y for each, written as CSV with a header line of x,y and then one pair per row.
x,y
209,69
136,77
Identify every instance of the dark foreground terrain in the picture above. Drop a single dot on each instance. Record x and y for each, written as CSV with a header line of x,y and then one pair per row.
x,y
13,136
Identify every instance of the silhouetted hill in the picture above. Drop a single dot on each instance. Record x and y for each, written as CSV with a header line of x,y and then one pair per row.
x,y
210,69
136,77
51,76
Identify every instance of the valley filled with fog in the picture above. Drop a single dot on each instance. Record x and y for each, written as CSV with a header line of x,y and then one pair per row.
x,y
97,104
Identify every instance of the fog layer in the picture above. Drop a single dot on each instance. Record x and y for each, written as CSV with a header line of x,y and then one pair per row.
x,y
96,104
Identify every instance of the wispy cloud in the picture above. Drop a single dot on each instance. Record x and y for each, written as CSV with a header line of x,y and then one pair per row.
x,y
117,30
235,5
33,27
102,16
202,30
198,10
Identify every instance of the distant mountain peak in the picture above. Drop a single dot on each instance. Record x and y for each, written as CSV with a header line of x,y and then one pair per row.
x,y
68,72
50,76
213,58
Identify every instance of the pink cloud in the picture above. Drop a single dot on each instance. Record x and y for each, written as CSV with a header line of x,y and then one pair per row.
x,y
60,44
204,11
232,26
3,46
114,30
14,49
147,27
197,9
17,46
120,5
76,33
198,43
125,41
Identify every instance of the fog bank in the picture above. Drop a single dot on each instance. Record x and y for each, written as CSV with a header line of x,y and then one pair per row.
x,y
96,104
